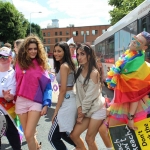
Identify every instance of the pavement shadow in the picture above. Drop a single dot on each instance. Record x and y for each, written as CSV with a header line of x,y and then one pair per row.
x,y
49,115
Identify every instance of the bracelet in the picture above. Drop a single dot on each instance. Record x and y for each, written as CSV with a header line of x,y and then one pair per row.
x,y
130,117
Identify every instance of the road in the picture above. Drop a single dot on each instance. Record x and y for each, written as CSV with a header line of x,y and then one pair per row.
x,y
43,128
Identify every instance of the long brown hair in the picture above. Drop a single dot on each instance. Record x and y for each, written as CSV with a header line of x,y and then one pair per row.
x,y
24,60
92,59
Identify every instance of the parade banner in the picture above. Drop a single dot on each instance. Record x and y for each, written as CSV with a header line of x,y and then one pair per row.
x,y
55,88
123,138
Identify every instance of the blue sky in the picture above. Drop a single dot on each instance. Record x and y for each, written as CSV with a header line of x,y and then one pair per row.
x,y
77,12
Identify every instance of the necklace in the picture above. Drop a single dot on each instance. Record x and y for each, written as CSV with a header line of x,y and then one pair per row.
x,y
119,65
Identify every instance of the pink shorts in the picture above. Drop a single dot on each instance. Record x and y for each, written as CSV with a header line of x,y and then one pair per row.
x,y
23,105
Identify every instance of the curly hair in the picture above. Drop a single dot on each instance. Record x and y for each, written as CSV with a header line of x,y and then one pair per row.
x,y
23,58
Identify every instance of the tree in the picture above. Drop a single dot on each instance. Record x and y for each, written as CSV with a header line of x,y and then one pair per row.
x,y
35,29
13,25
122,8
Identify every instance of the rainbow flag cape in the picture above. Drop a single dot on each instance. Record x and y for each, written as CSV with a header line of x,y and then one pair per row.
x,y
9,109
130,77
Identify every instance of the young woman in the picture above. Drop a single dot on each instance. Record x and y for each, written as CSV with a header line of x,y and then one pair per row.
x,y
33,87
65,113
17,43
90,103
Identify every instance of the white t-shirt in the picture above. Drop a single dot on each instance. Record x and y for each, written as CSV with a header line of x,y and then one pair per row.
x,y
8,82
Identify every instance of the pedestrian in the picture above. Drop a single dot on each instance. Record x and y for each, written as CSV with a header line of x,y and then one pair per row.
x,y
33,87
72,47
101,70
90,103
7,45
7,93
131,102
17,43
65,113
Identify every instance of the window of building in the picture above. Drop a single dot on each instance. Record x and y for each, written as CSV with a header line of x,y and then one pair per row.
x,y
94,32
67,39
44,41
55,33
43,34
87,33
60,33
60,39
82,32
48,34
48,41
56,40
75,33
67,33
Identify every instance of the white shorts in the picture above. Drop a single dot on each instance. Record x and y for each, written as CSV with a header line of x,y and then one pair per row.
x,y
100,114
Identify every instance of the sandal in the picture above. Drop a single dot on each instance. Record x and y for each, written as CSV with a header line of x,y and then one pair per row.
x,y
39,146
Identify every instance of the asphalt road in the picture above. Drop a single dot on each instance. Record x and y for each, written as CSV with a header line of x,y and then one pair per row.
x,y
43,128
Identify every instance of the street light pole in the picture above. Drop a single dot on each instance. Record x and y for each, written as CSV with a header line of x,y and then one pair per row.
x,y
30,19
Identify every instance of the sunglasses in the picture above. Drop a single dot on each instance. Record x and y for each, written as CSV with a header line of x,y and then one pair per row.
x,y
137,41
3,57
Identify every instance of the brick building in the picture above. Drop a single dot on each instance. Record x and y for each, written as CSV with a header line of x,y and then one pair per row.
x,y
80,35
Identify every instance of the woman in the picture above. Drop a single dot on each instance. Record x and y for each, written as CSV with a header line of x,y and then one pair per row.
x,y
64,116
17,43
101,70
33,87
90,103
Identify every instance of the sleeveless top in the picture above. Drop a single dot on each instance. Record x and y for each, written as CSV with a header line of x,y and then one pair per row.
x,y
70,79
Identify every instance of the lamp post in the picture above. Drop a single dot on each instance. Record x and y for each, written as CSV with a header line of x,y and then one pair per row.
x,y
30,19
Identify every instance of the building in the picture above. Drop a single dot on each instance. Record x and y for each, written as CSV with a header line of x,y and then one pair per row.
x,y
53,34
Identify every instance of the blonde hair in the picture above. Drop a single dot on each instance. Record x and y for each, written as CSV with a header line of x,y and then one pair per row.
x,y
24,60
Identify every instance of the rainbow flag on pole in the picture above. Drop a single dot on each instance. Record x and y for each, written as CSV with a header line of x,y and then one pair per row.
x,y
9,109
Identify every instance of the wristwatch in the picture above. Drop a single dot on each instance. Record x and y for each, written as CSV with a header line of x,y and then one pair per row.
x,y
130,117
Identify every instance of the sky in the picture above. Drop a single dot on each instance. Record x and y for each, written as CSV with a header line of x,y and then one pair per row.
x,y
77,12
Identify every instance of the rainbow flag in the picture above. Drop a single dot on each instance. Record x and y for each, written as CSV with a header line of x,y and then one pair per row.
x,y
9,108
130,77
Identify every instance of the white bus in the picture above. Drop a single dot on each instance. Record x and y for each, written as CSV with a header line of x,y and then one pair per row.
x,y
111,44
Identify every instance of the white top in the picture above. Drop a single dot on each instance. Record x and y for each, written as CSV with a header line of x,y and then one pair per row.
x,y
8,82
88,96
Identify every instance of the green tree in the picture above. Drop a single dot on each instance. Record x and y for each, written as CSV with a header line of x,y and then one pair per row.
x,y
35,29
122,8
13,25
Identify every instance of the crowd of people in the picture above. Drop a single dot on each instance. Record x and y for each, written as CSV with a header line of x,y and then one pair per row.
x,y
26,86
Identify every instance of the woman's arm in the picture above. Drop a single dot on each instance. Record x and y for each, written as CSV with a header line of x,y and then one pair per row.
x,y
47,99
90,94
64,71
132,111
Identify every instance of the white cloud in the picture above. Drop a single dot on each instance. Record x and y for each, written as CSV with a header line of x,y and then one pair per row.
x,y
27,7
77,12
81,8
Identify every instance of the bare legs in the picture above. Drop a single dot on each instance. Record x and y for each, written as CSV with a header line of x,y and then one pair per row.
x,y
29,121
92,125
103,130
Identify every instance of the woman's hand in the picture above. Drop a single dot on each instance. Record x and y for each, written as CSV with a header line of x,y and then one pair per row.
x,y
80,117
7,96
54,115
44,110
131,125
